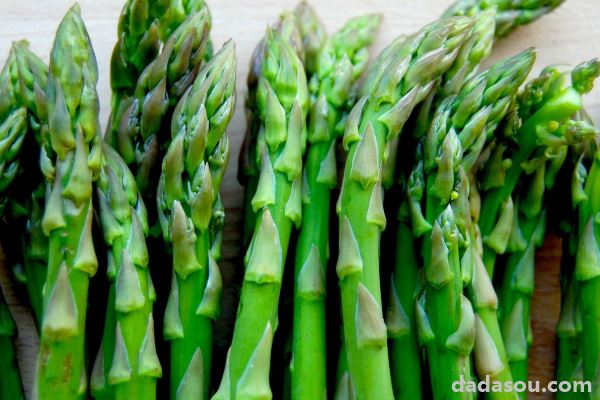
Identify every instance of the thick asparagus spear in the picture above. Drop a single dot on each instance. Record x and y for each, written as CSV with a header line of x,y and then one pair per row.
x,y
191,175
28,247
339,64
11,387
460,127
139,136
126,366
510,14
70,168
282,98
408,74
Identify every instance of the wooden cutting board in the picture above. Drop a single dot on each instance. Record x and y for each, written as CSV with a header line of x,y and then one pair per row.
x,y
569,35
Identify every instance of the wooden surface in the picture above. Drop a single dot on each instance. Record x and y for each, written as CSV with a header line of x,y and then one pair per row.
x,y
569,35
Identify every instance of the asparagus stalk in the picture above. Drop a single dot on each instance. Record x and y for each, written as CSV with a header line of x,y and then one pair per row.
x,y
586,266
313,36
339,64
24,240
249,158
11,388
408,75
191,175
460,127
137,45
127,365
282,99
510,14
405,286
160,86
405,352
528,229
571,181
13,127
70,167
545,105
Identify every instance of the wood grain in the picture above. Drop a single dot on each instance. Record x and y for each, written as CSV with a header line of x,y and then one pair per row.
x,y
569,35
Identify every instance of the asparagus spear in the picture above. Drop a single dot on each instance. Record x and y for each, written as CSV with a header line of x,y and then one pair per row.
x,y
11,388
545,105
126,366
405,357
191,175
313,36
26,80
510,14
249,158
460,127
70,169
529,224
408,75
159,87
282,98
405,285
339,64
13,126
137,45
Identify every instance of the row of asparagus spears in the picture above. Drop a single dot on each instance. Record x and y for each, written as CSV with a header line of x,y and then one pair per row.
x,y
443,172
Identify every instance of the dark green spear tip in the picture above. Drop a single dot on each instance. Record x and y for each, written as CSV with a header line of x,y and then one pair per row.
x,y
584,75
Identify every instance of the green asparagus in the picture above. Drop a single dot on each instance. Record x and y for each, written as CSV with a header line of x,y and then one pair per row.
x,y
282,99
408,74
160,86
404,355
510,14
339,64
70,167
11,387
137,45
587,262
249,159
459,130
313,36
192,172
127,365
28,248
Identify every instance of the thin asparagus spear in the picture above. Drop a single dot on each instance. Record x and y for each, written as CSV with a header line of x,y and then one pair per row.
x,y
405,353
70,168
282,98
11,387
126,366
191,175
408,75
510,14
339,64
137,45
